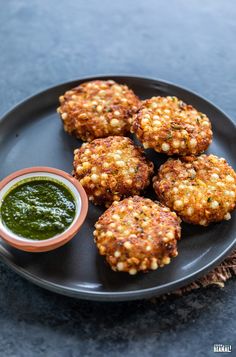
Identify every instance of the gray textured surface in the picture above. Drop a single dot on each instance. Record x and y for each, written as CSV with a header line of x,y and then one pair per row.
x,y
43,43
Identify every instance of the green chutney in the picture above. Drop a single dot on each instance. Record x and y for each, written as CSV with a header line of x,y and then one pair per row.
x,y
38,209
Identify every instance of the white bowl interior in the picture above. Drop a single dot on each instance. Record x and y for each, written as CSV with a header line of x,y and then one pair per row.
x,y
34,176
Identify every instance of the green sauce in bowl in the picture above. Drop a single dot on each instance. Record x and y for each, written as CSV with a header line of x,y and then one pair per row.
x,y
38,209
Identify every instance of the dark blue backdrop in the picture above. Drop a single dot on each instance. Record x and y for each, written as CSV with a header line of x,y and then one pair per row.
x,y
42,43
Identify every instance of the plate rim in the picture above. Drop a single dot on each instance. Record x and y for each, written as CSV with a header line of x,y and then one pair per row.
x,y
114,296
125,295
106,76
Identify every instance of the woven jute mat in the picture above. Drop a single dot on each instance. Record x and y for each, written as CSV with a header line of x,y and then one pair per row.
x,y
218,276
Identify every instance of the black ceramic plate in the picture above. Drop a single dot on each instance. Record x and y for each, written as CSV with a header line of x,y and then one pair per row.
x,y
32,134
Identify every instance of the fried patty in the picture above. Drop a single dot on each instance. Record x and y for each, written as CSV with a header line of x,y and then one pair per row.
x,y
98,109
137,234
168,125
199,189
111,169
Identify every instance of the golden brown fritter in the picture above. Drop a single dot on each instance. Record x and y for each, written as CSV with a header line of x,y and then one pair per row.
x,y
98,109
168,125
137,234
111,169
200,189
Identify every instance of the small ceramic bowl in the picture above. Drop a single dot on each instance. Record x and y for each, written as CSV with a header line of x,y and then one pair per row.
x,y
81,202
